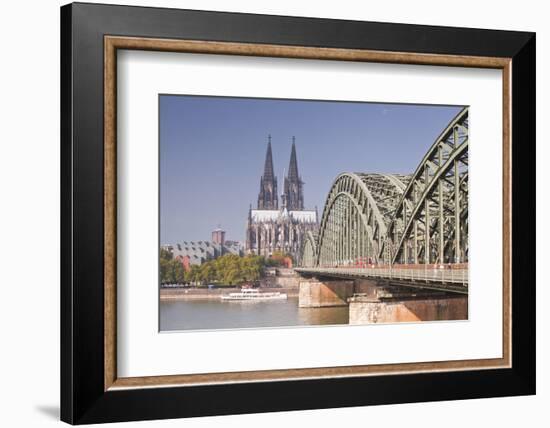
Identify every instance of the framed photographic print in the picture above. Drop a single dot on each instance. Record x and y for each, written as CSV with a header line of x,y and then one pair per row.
x,y
266,213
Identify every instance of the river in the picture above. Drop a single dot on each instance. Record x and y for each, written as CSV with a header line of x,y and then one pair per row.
x,y
214,314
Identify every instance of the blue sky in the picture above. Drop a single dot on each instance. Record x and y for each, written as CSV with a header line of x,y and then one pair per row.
x,y
212,152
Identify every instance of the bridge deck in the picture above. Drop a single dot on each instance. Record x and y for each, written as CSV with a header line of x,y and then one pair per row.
x,y
455,280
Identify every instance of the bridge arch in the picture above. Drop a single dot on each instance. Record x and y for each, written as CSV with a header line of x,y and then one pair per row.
x,y
391,218
430,221
356,216
309,250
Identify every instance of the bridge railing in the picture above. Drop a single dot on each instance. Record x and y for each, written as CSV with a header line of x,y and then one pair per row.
x,y
432,275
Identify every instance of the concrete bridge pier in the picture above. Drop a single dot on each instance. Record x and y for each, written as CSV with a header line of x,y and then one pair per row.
x,y
392,304
374,301
320,293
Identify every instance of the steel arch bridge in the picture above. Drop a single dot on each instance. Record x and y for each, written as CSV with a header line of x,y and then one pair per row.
x,y
308,252
388,219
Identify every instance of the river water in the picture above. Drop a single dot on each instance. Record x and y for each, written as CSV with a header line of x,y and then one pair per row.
x,y
215,314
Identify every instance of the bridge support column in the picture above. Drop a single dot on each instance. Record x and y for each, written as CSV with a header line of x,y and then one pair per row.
x,y
407,306
315,293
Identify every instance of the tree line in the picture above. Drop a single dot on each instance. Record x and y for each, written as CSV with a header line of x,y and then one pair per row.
x,y
229,269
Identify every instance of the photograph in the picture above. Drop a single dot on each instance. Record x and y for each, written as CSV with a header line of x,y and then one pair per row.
x,y
293,212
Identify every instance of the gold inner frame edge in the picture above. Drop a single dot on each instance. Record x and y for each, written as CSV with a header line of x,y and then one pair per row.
x,y
113,43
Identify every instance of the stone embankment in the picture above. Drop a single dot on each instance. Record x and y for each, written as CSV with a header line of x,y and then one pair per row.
x,y
213,294
285,278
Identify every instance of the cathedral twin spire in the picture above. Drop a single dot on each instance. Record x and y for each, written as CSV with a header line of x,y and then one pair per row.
x,y
293,197
293,192
267,199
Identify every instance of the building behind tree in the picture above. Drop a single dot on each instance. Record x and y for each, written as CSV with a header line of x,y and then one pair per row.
x,y
199,252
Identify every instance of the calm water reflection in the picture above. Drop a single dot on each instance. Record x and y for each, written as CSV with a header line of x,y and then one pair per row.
x,y
214,314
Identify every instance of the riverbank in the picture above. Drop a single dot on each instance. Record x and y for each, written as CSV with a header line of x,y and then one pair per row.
x,y
214,294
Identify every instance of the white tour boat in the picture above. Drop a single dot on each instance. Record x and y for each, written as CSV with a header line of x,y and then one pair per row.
x,y
254,295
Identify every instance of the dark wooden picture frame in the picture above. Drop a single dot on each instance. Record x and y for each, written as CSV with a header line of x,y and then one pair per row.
x,y
90,389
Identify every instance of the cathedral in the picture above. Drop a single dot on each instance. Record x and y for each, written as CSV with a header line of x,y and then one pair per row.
x,y
271,227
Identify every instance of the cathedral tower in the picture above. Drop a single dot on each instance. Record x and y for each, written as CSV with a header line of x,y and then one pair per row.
x,y
267,198
293,187
270,229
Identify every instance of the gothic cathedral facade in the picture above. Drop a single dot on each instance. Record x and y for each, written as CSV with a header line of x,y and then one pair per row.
x,y
272,228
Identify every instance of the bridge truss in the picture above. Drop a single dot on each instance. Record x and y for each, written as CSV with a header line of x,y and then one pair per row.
x,y
399,219
308,251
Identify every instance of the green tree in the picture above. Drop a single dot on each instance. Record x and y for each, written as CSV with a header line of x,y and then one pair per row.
x,y
207,272
165,254
171,271
231,276
229,269
178,272
252,267
164,266
194,274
